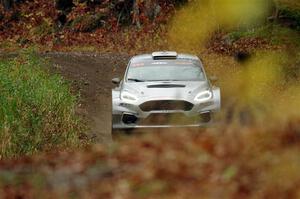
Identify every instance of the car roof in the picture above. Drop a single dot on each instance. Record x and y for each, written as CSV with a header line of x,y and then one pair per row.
x,y
145,57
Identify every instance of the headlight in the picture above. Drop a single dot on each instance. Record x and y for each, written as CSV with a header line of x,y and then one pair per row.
x,y
126,96
203,96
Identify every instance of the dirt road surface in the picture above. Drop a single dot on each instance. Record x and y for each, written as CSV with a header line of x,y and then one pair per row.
x,y
91,75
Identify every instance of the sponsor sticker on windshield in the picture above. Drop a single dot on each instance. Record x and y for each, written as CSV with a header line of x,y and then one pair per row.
x,y
183,63
137,64
163,63
159,63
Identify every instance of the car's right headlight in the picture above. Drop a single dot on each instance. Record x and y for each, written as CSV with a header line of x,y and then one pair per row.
x,y
203,96
126,96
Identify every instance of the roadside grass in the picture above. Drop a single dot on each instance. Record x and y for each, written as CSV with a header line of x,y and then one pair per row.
x,y
36,108
283,30
275,33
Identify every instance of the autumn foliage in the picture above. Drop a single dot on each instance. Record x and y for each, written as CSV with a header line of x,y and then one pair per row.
x,y
136,26
180,164
253,150
46,23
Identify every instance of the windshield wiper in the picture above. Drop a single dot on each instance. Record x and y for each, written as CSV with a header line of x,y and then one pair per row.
x,y
136,80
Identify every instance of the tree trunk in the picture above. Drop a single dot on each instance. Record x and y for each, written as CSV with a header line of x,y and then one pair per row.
x,y
152,9
7,4
64,5
149,8
136,14
276,10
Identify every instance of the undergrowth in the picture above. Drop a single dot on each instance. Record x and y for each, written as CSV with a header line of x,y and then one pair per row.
x,y
36,108
275,33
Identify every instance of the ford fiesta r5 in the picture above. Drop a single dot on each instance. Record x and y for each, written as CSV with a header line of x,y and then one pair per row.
x,y
164,89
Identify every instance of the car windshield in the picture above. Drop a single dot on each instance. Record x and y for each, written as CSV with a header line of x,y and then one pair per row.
x,y
165,70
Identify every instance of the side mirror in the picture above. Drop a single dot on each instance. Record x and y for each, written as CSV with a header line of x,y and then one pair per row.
x,y
116,80
213,79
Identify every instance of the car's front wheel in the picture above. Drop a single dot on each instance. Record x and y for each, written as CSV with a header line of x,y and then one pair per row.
x,y
206,117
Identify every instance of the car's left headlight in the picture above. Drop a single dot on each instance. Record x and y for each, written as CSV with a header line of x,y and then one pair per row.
x,y
126,96
203,96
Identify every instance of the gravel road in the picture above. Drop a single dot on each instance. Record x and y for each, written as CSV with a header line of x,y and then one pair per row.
x,y
91,75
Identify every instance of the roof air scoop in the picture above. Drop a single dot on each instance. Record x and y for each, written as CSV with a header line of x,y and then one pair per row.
x,y
164,55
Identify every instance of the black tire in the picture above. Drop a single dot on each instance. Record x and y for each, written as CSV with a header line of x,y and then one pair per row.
x,y
206,117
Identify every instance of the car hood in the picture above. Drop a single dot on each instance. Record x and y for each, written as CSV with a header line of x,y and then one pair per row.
x,y
180,90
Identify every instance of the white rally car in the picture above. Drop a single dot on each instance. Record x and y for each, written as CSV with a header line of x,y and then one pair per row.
x,y
163,89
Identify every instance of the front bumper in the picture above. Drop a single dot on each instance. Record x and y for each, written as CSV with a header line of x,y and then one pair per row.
x,y
162,120
131,116
199,115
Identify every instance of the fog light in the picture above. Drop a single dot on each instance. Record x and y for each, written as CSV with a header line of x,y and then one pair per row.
x,y
129,119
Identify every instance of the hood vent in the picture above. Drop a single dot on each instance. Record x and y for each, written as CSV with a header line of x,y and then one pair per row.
x,y
166,86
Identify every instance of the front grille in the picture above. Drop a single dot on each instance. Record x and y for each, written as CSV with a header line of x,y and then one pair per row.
x,y
174,119
166,86
159,105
